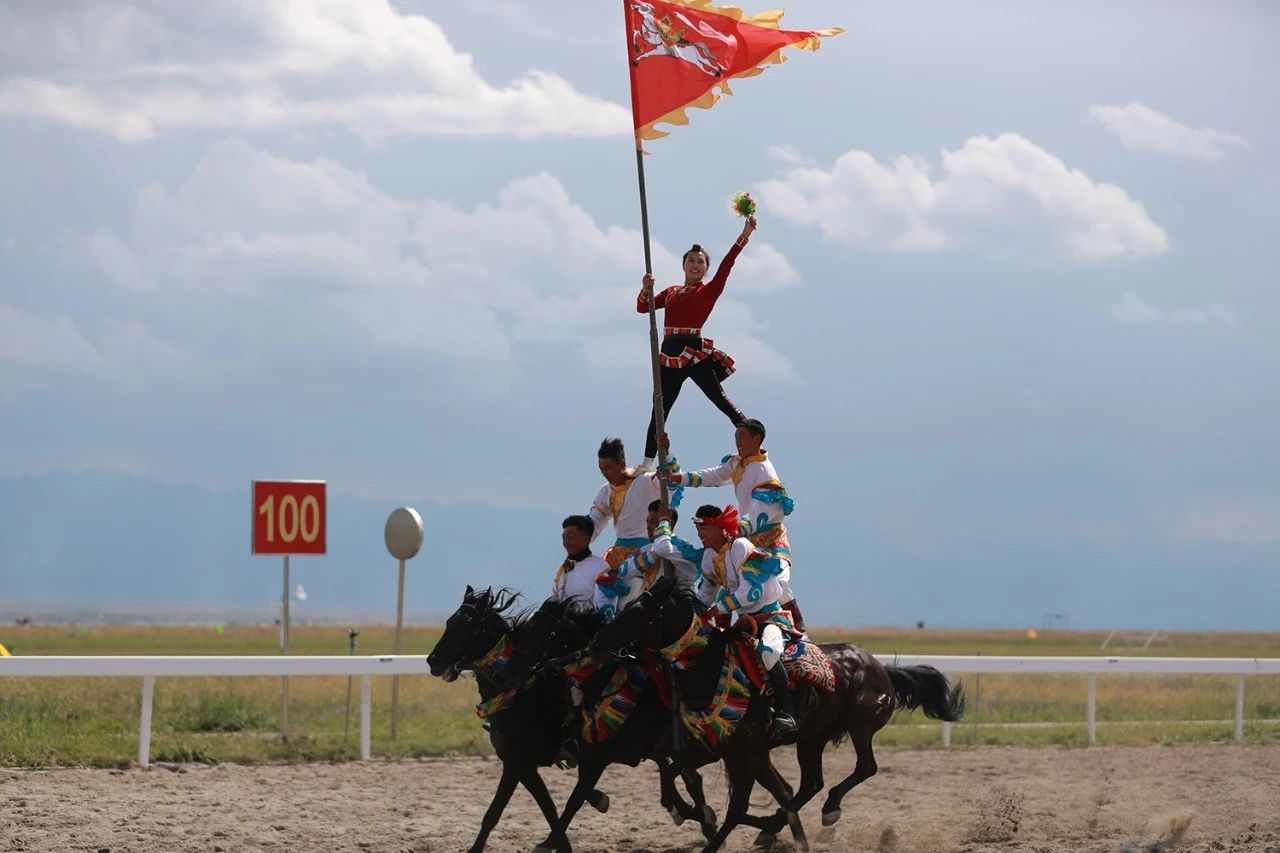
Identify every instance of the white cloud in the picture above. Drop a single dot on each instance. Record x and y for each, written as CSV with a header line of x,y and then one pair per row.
x,y
262,263
1004,195
1241,522
138,71
1131,309
35,349
1143,129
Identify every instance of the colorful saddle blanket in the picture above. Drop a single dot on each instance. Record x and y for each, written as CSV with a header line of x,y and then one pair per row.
x,y
603,717
805,662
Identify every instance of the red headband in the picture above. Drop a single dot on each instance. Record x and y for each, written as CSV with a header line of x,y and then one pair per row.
x,y
726,521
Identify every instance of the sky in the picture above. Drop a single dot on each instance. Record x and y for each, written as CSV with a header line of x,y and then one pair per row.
x,y
1008,316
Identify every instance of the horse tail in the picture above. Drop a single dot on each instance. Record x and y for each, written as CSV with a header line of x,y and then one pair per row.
x,y
926,688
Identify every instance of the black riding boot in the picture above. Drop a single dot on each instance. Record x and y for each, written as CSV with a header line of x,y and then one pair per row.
x,y
784,709
797,618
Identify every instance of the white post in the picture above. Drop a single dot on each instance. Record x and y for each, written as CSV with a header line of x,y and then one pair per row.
x,y
144,739
946,734
366,701
284,633
395,679
1093,707
1239,708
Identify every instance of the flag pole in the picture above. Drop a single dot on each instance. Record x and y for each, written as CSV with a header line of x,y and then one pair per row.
x,y
659,418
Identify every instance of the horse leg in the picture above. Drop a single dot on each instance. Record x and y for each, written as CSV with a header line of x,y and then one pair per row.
x,y
533,783
589,772
742,778
863,770
703,813
775,784
669,797
675,805
809,755
598,800
506,786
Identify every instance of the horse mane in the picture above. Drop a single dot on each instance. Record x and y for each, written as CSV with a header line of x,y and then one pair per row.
x,y
685,595
587,618
519,620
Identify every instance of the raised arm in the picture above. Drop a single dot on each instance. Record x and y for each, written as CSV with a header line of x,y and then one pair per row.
x,y
721,277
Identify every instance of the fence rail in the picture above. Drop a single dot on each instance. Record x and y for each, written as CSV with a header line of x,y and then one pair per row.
x,y
151,667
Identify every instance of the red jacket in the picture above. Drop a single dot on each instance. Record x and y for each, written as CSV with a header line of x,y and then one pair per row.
x,y
689,305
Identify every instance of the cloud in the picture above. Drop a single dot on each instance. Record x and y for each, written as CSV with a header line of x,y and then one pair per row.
x,y
1143,129
1004,196
1131,309
1241,522
35,349
149,68
261,265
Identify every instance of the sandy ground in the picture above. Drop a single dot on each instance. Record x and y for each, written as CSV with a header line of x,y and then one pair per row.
x,y
1042,800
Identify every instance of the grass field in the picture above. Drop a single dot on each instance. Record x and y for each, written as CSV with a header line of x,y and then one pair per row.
x,y
94,721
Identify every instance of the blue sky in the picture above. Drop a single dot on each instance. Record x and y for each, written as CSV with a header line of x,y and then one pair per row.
x,y
1011,297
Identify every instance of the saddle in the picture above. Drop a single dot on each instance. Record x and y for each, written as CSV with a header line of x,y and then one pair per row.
x,y
805,662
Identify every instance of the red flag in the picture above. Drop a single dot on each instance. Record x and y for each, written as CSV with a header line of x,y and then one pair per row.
x,y
681,51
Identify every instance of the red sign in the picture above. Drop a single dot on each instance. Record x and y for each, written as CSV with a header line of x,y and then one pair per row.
x,y
288,517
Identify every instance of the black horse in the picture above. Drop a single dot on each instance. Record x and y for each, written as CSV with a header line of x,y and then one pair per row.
x,y
647,734
866,695
525,735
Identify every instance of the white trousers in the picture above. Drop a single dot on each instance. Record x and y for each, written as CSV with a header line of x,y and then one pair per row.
x,y
771,645
784,580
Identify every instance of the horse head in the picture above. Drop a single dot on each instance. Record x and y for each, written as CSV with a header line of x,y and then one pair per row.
x,y
470,632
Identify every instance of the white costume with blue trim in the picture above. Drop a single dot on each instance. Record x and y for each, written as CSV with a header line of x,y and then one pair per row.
x,y
763,504
739,578
616,588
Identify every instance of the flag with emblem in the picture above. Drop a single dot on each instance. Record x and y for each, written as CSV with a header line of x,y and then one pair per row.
x,y
684,52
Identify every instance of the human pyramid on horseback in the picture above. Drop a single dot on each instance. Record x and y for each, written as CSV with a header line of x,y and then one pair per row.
x,y
672,651
682,652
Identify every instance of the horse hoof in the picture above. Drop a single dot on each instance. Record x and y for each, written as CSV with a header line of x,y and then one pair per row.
x,y
828,818
601,804
676,817
765,839
708,815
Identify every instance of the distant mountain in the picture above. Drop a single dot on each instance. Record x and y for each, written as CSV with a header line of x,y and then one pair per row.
x,y
131,543
125,547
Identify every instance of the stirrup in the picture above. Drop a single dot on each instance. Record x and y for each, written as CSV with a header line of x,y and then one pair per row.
x,y
784,726
567,757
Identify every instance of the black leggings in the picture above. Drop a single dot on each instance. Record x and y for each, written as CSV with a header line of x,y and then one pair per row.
x,y
704,376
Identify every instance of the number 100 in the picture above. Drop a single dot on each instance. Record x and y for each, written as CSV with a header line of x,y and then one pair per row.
x,y
291,518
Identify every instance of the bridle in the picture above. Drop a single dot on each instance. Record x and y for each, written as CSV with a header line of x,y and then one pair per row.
x,y
470,612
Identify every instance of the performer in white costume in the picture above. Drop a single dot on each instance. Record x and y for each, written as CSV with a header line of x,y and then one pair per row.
x,y
624,501
735,576
763,502
576,577
616,588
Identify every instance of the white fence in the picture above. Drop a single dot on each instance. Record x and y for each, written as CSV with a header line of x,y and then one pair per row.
x,y
366,666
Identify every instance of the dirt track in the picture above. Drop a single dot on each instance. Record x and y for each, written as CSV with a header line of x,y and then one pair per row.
x,y
1042,800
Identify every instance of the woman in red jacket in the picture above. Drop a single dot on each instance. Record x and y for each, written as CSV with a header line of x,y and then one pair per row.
x,y
685,353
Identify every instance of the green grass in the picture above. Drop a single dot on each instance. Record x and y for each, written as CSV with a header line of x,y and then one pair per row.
x,y
94,721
